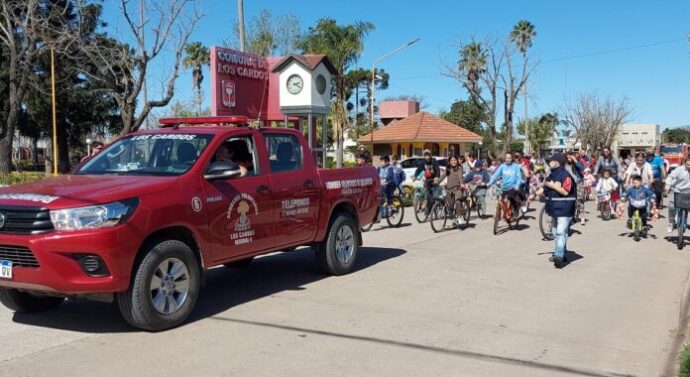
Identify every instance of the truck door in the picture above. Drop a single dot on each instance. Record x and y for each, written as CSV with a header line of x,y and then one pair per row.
x,y
240,210
296,188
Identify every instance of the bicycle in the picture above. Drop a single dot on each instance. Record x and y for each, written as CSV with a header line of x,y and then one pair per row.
x,y
682,204
604,205
442,211
635,222
546,222
504,211
392,211
419,201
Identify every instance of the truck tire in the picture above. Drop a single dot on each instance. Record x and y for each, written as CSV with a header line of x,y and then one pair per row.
x,y
22,302
164,289
337,254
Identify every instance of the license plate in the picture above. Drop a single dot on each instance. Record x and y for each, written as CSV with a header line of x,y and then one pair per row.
x,y
5,269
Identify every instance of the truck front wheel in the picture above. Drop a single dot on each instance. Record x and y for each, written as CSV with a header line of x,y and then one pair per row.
x,y
337,254
23,302
164,288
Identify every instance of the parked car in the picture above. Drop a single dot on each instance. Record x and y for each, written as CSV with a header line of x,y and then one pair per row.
x,y
410,165
141,222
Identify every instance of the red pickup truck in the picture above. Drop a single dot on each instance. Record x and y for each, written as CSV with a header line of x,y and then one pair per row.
x,y
141,221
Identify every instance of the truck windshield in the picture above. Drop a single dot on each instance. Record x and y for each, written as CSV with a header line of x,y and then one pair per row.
x,y
671,149
150,154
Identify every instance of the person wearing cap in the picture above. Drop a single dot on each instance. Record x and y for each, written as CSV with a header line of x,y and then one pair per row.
x,y
512,178
364,153
479,178
430,170
561,195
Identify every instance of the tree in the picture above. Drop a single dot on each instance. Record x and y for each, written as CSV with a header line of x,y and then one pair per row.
x,y
123,70
539,131
267,35
27,29
479,71
677,135
197,57
596,120
359,108
467,114
343,44
522,35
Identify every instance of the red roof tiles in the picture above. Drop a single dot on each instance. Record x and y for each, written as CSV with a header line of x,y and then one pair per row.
x,y
422,126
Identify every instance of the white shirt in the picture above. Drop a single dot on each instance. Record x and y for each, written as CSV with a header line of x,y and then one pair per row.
x,y
645,172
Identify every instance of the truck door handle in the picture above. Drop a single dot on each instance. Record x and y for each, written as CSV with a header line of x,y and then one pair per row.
x,y
262,189
309,183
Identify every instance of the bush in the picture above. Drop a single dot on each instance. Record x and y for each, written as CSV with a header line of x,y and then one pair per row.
x,y
17,178
685,361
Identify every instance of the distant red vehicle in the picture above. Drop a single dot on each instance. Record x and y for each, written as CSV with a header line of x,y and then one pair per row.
x,y
675,154
143,220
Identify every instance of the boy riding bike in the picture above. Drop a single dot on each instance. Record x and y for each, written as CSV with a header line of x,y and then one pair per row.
x,y
479,178
387,176
431,172
638,197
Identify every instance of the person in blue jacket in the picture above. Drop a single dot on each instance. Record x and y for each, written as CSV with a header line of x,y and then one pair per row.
x,y
511,175
560,190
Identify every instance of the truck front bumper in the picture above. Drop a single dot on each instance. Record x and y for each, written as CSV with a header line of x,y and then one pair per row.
x,y
59,271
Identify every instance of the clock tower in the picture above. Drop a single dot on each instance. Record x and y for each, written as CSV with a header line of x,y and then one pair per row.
x,y
305,87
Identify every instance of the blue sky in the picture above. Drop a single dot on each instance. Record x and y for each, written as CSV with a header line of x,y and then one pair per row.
x,y
636,49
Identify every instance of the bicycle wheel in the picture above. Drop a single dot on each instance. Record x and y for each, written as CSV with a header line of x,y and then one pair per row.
x,y
637,227
396,212
545,224
420,212
681,228
606,211
466,209
438,216
497,217
407,195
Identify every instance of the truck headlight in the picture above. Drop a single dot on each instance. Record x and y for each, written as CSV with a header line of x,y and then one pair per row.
x,y
93,217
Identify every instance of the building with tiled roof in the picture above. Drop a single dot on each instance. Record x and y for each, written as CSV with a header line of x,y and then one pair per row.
x,y
409,136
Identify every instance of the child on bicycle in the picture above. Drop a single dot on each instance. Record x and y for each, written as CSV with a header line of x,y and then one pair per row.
x,y
479,178
589,183
387,176
453,177
639,198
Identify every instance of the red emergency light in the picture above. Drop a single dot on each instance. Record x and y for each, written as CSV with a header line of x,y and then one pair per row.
x,y
210,120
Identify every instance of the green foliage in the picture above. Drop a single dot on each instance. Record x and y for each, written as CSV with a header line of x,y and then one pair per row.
x,y
541,130
465,114
685,362
677,135
331,163
522,35
268,35
18,178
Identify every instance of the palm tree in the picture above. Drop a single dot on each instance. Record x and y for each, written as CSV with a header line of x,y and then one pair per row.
x,y
522,35
343,44
197,57
472,63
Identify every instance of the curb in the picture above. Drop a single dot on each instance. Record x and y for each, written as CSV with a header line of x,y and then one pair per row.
x,y
670,367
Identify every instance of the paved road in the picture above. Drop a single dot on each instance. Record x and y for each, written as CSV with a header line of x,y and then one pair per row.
x,y
459,303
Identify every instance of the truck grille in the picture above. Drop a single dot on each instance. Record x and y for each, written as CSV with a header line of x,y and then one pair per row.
x,y
19,256
24,220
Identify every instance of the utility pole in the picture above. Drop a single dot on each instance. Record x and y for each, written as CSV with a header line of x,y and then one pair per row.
x,y
143,35
240,22
373,86
54,108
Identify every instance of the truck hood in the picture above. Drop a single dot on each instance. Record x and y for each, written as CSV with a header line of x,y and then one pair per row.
x,y
82,190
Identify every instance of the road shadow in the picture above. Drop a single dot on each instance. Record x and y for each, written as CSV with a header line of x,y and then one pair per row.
x,y
383,226
224,288
674,239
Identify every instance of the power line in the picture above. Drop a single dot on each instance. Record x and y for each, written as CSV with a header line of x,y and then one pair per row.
x,y
605,52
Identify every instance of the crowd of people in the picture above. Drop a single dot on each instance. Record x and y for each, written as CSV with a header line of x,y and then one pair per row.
x,y
636,184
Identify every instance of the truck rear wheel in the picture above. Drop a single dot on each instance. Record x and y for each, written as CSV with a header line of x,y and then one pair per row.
x,y
164,289
22,302
337,254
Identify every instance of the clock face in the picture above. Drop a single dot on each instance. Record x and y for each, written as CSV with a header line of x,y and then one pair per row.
x,y
320,84
295,84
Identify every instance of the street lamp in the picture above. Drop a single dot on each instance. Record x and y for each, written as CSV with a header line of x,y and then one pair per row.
x,y
479,150
88,147
373,86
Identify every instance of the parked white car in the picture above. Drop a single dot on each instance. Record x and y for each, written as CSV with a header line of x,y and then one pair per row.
x,y
410,165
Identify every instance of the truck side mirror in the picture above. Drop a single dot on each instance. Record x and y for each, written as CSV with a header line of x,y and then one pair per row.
x,y
222,170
